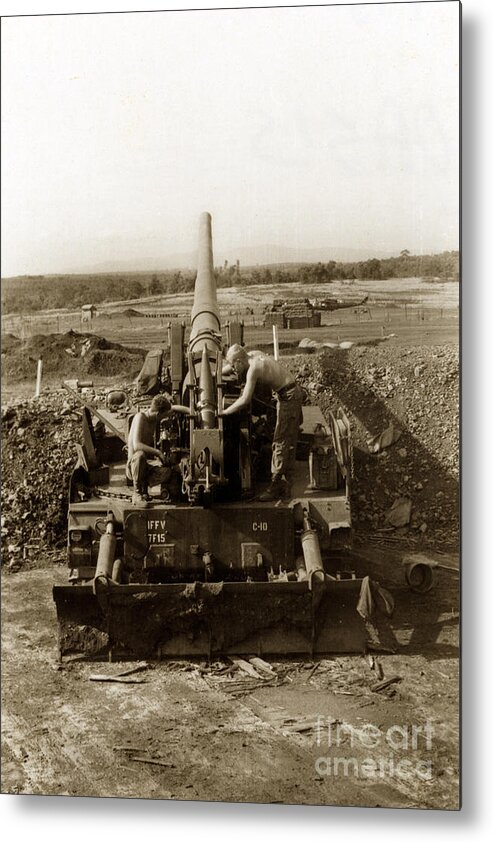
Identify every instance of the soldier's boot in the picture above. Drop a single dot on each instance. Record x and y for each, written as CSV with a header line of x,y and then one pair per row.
x,y
275,491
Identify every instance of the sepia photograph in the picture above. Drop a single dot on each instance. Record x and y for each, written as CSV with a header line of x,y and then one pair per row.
x,y
230,381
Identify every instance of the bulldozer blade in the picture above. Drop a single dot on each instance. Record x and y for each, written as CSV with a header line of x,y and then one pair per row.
x,y
208,619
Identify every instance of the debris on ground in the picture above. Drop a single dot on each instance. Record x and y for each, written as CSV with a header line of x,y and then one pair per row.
x,y
389,436
263,666
138,668
247,668
123,676
399,513
152,761
312,672
240,676
375,664
136,755
117,679
387,682
237,687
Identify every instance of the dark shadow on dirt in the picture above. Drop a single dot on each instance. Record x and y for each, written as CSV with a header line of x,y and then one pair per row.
x,y
422,623
375,415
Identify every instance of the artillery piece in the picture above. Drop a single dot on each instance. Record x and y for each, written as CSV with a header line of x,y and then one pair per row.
x,y
205,567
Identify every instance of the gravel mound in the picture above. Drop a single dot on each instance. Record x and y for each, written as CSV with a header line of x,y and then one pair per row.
x,y
416,390
69,354
38,455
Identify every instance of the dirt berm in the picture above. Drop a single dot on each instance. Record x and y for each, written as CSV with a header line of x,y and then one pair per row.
x,y
68,354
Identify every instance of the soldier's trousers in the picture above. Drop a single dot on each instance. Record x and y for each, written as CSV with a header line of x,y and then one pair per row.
x,y
143,474
289,418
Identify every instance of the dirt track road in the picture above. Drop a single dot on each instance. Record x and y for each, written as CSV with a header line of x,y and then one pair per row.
x,y
175,736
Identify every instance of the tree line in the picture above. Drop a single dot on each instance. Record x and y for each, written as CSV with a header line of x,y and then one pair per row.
x,y
32,293
406,265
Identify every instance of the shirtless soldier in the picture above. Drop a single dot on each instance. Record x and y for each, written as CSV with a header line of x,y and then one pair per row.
x,y
141,438
260,368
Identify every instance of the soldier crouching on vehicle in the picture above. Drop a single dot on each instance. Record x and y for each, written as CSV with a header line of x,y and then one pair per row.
x,y
263,369
144,431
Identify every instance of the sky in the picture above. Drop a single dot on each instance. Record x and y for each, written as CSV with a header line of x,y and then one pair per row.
x,y
304,127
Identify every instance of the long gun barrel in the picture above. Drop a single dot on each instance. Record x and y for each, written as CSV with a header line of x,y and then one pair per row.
x,y
203,469
205,319
204,346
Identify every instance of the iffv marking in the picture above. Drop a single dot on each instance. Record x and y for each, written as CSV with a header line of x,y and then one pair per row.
x,y
260,526
157,524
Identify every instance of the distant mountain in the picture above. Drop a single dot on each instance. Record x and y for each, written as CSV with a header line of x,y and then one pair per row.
x,y
285,254
258,255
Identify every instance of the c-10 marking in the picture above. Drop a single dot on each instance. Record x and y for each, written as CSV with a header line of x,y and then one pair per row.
x,y
260,526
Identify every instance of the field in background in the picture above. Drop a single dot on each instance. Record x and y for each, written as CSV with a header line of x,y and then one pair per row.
x,y
416,311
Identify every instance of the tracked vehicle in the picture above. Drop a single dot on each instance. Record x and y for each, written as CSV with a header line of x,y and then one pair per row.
x,y
205,568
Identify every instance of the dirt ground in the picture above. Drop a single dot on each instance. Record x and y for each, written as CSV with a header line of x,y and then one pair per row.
x,y
317,733
305,739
